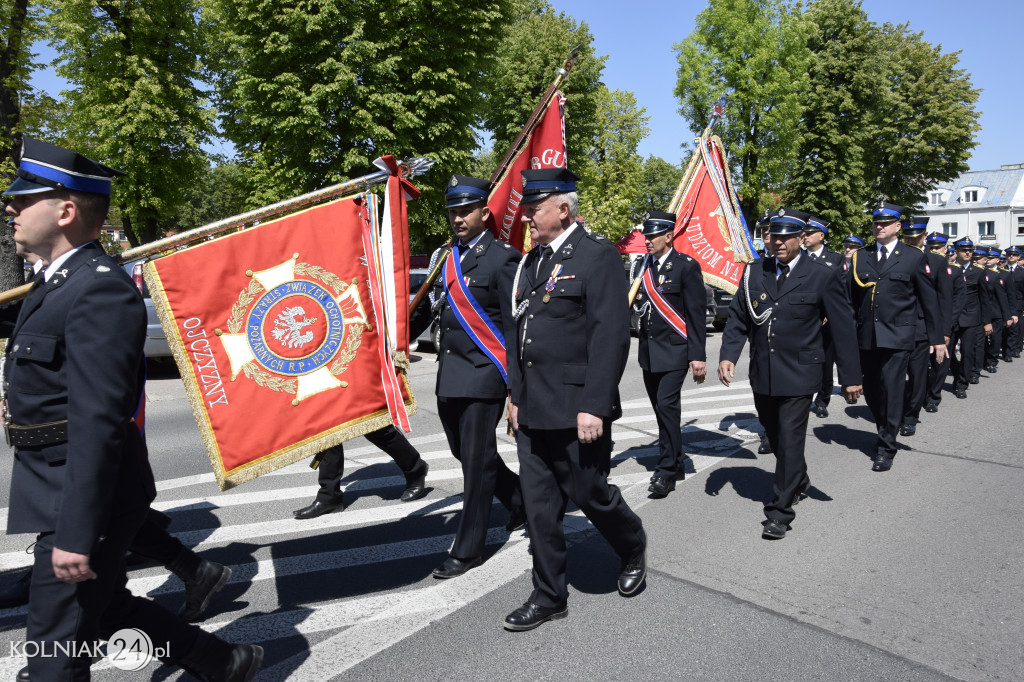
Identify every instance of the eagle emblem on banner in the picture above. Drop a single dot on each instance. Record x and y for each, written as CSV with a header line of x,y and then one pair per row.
x,y
294,329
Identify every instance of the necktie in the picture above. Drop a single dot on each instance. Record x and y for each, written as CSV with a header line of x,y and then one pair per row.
x,y
883,253
782,276
545,256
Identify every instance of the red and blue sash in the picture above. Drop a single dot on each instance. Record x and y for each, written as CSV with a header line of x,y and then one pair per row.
x,y
664,308
487,337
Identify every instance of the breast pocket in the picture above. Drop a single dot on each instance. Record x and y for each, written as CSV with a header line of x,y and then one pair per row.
x,y
803,305
37,362
565,299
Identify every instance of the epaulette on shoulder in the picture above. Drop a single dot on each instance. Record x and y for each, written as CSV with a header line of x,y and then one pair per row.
x,y
956,265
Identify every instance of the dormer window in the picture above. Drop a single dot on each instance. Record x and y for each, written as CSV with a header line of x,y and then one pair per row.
x,y
970,196
935,198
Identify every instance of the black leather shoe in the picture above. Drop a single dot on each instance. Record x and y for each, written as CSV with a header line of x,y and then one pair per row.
x,y
881,463
908,430
245,662
800,492
960,393
774,529
931,407
975,380
1006,358
634,573
17,594
819,411
765,448
453,567
516,520
209,579
416,487
661,486
990,369
530,615
319,508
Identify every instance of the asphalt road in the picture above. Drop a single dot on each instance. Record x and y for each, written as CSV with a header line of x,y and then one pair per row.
x,y
913,574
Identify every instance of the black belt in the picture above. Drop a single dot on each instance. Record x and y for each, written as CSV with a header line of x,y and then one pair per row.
x,y
37,435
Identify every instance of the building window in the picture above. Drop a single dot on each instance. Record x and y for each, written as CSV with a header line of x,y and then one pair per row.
x,y
970,196
986,228
1020,225
949,229
935,198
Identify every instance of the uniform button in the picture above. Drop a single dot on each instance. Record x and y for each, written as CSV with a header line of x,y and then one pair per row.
x,y
529,340
533,293
529,364
772,350
28,351
448,352
447,329
530,317
16,346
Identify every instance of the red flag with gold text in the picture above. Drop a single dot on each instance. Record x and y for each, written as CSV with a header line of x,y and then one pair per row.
x,y
276,337
543,148
710,226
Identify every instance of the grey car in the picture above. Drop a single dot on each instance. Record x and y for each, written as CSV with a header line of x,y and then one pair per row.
x,y
156,342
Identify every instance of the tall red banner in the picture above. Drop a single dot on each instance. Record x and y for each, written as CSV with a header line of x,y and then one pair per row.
x,y
276,337
710,226
543,148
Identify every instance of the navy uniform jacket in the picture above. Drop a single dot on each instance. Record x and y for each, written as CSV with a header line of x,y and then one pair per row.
x,y
830,256
977,297
955,274
465,372
887,312
1000,311
682,285
76,354
936,270
1011,290
1017,277
573,348
787,351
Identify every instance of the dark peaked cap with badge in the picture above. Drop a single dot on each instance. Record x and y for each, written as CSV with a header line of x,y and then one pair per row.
x,y
788,221
465,189
658,222
816,224
540,183
45,167
884,212
916,226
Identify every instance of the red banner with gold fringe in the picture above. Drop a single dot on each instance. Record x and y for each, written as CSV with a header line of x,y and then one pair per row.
x,y
276,337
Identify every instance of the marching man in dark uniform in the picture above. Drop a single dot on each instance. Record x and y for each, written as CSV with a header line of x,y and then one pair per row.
x,y
814,246
972,323
850,245
890,285
950,275
564,366
1016,337
1002,315
998,263
671,303
920,359
475,320
73,374
780,306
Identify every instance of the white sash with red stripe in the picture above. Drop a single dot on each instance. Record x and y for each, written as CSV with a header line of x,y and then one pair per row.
x,y
664,308
472,316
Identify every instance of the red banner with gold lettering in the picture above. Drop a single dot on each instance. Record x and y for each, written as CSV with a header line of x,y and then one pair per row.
x,y
544,148
275,334
710,226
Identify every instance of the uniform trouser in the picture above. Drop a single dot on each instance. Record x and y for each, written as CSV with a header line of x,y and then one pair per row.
x,y
389,439
59,613
885,381
962,363
827,379
1017,336
554,468
154,542
937,373
663,391
469,424
994,343
785,422
979,353
917,383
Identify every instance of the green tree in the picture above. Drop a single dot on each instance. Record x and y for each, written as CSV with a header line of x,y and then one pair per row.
x,y
755,52
845,70
658,185
134,102
312,92
20,21
926,120
612,166
528,56
221,192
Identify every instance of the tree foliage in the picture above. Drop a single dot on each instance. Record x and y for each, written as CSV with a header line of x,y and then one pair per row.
x,y
658,184
754,51
134,103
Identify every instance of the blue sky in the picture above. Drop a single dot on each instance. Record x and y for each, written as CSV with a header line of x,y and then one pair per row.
x,y
638,38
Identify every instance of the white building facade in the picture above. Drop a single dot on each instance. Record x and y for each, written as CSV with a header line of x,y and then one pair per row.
x,y
987,206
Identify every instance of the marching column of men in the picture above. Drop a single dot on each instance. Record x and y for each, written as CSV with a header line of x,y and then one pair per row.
x,y
814,246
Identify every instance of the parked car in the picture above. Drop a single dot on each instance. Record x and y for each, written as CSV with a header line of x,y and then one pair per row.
x,y
421,318
723,299
156,342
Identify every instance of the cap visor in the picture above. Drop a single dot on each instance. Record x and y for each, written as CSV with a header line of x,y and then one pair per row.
x,y
23,186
